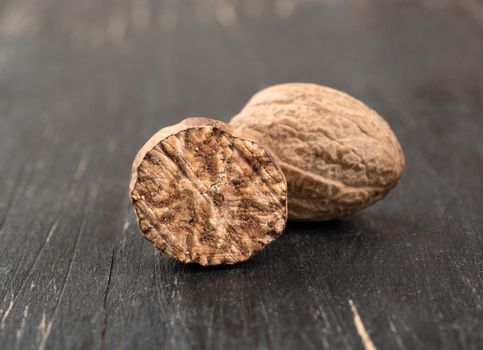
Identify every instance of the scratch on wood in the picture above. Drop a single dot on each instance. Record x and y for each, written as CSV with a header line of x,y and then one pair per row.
x,y
393,328
106,293
81,168
37,258
5,315
21,329
123,234
366,340
44,331
49,235
398,338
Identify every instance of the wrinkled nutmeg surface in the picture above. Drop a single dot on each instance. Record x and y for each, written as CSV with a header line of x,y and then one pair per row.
x,y
338,155
203,194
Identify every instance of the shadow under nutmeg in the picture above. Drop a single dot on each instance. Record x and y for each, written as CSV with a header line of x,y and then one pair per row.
x,y
370,226
349,225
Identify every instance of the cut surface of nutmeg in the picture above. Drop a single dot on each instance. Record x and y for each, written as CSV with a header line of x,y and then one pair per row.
x,y
338,155
202,193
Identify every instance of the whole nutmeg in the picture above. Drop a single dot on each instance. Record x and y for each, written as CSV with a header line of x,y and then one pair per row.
x,y
338,155
203,193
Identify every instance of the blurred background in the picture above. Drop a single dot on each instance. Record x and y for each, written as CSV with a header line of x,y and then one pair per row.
x,y
83,84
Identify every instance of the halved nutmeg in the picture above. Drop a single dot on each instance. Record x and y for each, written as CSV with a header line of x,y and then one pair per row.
x,y
204,193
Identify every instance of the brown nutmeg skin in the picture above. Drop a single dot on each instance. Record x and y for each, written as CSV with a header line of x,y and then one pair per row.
x,y
203,193
338,155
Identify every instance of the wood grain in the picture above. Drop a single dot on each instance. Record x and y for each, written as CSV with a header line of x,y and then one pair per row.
x,y
84,83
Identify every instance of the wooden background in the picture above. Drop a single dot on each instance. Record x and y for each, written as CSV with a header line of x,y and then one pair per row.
x,y
84,83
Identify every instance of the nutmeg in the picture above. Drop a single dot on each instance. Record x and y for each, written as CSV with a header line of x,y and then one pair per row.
x,y
204,193
338,155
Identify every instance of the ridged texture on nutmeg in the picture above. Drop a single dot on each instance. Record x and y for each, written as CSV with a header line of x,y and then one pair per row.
x,y
204,194
338,155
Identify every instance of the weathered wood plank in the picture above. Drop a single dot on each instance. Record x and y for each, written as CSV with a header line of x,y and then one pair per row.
x,y
84,84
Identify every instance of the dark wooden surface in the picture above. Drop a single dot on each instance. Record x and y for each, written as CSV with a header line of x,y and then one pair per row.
x,y
84,83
